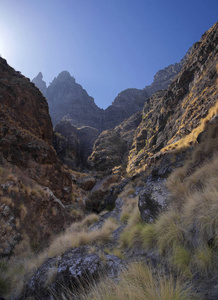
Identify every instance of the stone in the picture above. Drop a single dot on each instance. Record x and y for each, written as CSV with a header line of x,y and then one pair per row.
x,y
152,199
103,194
75,269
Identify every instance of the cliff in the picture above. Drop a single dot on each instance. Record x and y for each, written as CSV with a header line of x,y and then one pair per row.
x,y
32,179
172,119
156,174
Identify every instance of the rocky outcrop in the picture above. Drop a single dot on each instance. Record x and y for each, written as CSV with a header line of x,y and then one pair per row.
x,y
104,155
108,151
74,270
171,119
103,194
66,144
40,84
73,146
124,105
67,99
152,199
22,104
29,168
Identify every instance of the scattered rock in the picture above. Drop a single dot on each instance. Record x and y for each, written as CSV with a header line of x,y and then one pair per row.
x,y
74,269
152,199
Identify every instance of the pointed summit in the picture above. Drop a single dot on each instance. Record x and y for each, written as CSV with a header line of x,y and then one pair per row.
x,y
41,85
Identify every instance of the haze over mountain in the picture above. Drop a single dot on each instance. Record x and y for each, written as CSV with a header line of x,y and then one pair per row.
x,y
68,100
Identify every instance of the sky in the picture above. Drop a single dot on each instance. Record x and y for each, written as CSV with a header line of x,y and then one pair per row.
x,y
107,45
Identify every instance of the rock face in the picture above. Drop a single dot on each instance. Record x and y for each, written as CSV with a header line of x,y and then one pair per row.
x,y
66,143
105,156
152,199
41,85
164,77
87,136
170,117
74,146
173,118
67,99
35,188
108,151
124,105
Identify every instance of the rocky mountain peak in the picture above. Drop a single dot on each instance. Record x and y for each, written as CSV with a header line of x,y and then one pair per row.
x,y
81,109
68,99
164,77
65,76
39,83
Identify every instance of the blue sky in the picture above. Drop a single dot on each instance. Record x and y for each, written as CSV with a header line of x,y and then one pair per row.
x,y
107,45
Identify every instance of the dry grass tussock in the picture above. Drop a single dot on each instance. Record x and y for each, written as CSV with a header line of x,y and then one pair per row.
x,y
130,201
18,271
71,239
187,234
128,207
190,227
138,283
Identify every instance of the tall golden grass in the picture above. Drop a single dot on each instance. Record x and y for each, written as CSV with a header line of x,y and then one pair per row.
x,y
138,283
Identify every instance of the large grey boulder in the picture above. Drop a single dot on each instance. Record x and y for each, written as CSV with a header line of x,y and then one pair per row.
x,y
76,268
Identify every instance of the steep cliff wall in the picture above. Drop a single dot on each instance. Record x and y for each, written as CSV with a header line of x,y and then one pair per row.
x,y
36,191
172,119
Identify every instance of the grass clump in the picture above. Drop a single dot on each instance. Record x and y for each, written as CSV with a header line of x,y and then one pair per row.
x,y
204,260
75,238
149,236
137,283
169,231
180,260
129,205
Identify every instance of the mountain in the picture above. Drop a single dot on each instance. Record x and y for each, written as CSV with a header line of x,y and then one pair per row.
x,y
68,100
171,118
41,85
32,179
164,77
146,211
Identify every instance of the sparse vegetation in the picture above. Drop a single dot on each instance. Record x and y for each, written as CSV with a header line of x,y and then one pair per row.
x,y
187,234
137,283
37,202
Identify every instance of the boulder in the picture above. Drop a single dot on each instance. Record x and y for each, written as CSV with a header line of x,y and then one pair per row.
x,y
152,199
103,194
75,269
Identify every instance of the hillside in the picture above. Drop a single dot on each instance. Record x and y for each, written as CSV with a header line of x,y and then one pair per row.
x,y
36,189
142,222
171,119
